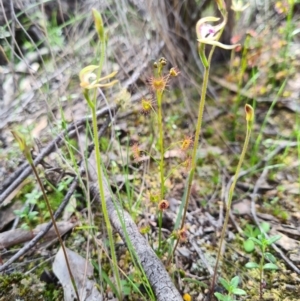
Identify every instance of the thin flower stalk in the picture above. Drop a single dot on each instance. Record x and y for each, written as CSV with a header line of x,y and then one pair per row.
x,y
198,126
196,143
250,119
158,84
93,106
206,34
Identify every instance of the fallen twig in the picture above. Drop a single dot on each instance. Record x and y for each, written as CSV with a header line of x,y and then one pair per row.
x,y
17,236
122,222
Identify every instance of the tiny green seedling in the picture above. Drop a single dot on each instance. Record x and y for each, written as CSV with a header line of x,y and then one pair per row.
x,y
263,243
28,217
252,231
231,288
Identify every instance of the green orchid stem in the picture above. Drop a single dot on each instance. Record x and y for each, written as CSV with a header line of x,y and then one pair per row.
x,y
103,202
196,141
29,158
238,98
206,63
161,162
93,106
228,207
194,154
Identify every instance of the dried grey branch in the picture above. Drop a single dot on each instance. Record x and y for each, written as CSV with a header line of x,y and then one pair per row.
x,y
17,236
155,271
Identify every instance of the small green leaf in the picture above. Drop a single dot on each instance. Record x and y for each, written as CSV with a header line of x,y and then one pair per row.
x,y
249,231
219,296
256,232
261,236
249,246
239,292
270,266
225,283
32,215
126,289
4,34
252,265
270,257
273,239
235,281
257,241
24,226
265,227
223,297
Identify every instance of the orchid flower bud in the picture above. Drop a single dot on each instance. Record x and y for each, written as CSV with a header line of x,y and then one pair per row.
x,y
98,24
249,113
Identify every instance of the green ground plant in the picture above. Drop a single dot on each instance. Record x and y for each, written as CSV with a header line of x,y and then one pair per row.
x,y
210,35
35,210
28,217
231,288
253,232
263,243
276,209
